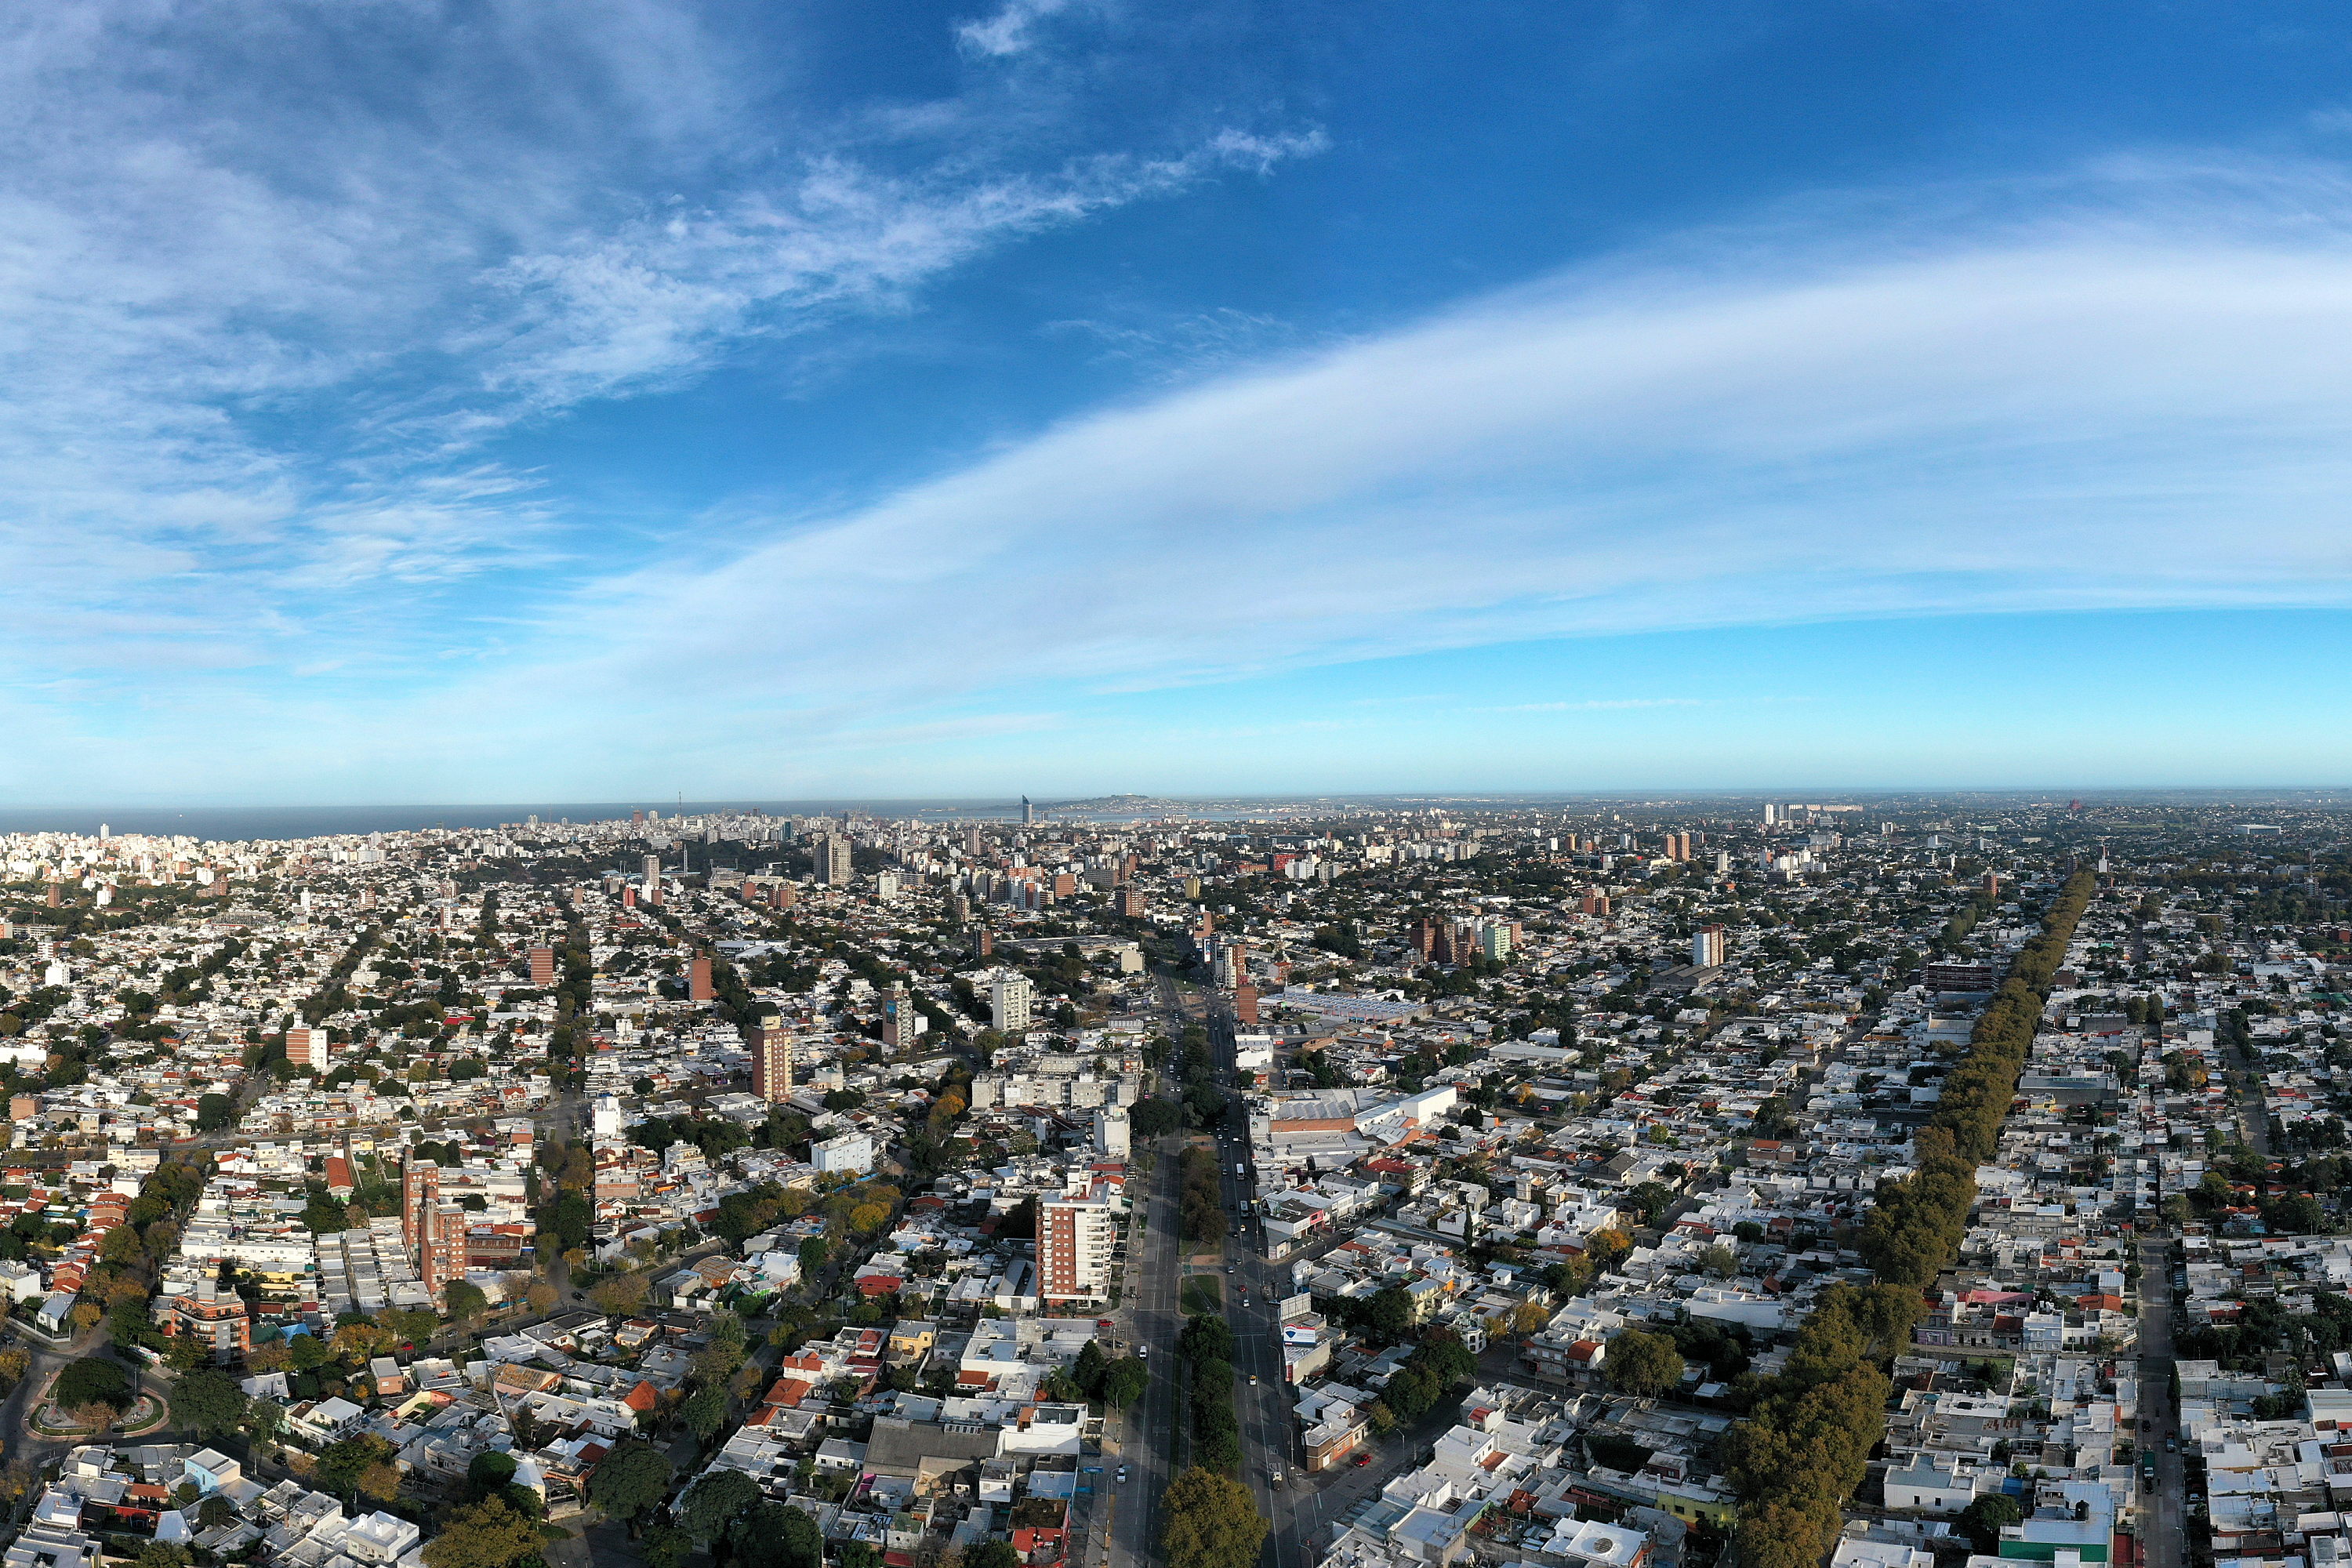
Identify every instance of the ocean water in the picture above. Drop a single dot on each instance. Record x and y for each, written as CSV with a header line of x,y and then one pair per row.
x,y
237,822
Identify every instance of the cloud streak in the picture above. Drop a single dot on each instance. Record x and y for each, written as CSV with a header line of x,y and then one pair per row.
x,y
2100,408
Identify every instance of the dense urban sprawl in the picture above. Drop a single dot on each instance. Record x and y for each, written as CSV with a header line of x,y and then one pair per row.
x,y
1882,1182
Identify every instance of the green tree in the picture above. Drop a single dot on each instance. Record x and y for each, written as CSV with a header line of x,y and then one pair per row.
x,y
93,1381
489,1473
1389,1313
1091,1367
208,1403
774,1536
1210,1521
1642,1363
705,1412
664,1546
716,1501
633,1477
1981,1520
1126,1382
214,1112
466,1300
486,1534
1154,1117
343,1464
991,1555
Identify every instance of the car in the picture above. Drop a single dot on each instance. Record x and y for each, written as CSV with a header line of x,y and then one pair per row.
x,y
2171,1445
2146,1424
1252,1380
1229,1268
1122,1475
1143,1352
1105,1323
1362,1459
1277,1477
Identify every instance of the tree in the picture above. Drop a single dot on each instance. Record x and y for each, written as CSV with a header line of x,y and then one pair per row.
x,y
622,1294
1091,1367
342,1465
1154,1117
705,1412
664,1546
1210,1523
1981,1520
92,1382
213,1112
489,1472
489,1534
1388,1313
465,1300
1641,1362
991,1555
263,1418
867,1218
633,1477
814,1253
208,1403
774,1536
162,1554
716,1501
858,1554
1126,1381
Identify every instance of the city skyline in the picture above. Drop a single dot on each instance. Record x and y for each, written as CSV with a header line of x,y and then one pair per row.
x,y
1055,396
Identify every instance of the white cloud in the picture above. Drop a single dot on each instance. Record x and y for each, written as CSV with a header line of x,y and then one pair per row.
x,y
270,275
2079,414
1010,30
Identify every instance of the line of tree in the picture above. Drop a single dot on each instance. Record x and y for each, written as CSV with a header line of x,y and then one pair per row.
x,y
1207,1346
1804,1447
1200,1203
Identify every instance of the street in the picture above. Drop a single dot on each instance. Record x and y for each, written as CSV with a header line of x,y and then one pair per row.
x,y
2164,1513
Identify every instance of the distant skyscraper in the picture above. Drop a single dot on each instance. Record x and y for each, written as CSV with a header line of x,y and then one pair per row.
x,y
1028,812
830,856
306,1048
543,967
1706,947
698,980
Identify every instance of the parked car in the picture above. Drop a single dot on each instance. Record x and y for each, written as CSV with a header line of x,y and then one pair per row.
x,y
1362,1459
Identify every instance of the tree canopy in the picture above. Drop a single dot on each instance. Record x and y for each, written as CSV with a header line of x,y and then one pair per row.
x,y
633,1477
1210,1521
1642,1363
489,1534
208,1403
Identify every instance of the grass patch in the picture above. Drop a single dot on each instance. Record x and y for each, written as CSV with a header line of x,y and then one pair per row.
x,y
1202,1293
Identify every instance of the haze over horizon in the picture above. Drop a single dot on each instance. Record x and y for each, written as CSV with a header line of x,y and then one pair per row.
x,y
903,400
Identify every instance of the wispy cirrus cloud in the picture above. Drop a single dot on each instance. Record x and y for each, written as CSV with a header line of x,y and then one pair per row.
x,y
2130,396
271,276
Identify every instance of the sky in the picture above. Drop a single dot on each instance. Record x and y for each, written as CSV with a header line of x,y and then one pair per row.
x,y
404,401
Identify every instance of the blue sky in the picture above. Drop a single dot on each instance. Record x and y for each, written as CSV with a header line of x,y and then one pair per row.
x,y
406,401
